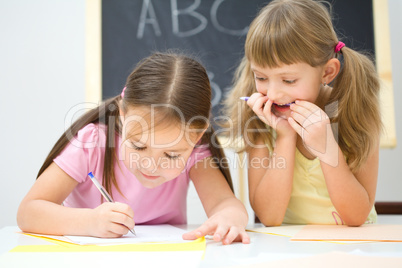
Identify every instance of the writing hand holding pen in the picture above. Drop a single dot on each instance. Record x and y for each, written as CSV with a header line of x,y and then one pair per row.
x,y
104,194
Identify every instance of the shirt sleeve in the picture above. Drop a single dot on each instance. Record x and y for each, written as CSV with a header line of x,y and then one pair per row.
x,y
84,152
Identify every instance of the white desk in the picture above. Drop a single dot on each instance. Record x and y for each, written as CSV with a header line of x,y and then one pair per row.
x,y
263,248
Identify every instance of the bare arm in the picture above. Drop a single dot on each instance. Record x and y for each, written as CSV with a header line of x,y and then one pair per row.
x,y
41,211
353,195
270,184
227,216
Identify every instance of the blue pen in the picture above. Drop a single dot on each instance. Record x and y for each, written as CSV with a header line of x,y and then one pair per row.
x,y
104,193
244,98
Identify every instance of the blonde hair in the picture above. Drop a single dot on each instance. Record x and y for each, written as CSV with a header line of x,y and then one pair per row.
x,y
288,32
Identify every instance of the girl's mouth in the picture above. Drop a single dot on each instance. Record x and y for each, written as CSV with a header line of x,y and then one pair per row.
x,y
282,107
148,177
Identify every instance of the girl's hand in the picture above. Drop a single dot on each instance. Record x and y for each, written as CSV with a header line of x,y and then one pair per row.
x,y
111,220
314,127
262,107
224,226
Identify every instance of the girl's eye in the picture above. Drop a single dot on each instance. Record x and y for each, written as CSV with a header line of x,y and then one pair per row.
x,y
172,157
289,81
260,78
135,147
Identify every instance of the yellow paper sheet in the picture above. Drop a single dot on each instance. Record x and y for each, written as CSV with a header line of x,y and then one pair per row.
x,y
62,246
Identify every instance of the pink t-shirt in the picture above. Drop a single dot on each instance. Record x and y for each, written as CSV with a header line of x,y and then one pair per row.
x,y
163,204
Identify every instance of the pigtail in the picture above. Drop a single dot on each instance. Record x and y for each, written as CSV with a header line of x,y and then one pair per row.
x,y
218,154
107,113
356,89
112,121
238,110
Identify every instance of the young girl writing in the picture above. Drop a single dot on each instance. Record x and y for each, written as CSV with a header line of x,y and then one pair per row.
x,y
144,145
313,149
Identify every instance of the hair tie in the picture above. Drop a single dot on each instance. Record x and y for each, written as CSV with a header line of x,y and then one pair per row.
x,y
122,93
339,46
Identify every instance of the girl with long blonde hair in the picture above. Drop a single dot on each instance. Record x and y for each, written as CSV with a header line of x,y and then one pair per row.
x,y
312,108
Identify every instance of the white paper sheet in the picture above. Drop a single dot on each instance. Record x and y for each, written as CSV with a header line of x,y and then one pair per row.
x,y
144,233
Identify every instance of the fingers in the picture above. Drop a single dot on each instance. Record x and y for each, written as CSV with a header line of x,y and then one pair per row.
x,y
257,102
224,234
253,98
220,234
123,216
244,237
123,208
261,106
295,126
233,234
117,218
306,113
203,230
300,120
192,235
117,229
314,127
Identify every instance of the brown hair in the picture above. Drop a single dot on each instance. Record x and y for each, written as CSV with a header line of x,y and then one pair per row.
x,y
167,78
287,32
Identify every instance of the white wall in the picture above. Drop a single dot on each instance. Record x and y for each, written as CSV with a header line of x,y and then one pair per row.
x,y
42,77
390,172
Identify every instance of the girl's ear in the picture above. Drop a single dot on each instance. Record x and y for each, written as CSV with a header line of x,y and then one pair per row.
x,y
331,70
121,112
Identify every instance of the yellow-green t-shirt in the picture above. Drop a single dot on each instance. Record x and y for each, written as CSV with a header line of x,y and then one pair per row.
x,y
309,201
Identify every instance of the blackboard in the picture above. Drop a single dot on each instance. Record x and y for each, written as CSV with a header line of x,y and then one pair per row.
x,y
212,30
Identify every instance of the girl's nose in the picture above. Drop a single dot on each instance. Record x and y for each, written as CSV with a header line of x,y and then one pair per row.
x,y
274,93
149,165
262,90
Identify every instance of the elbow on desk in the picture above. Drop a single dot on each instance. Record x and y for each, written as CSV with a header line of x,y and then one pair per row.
x,y
355,221
269,222
266,218
22,220
272,224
